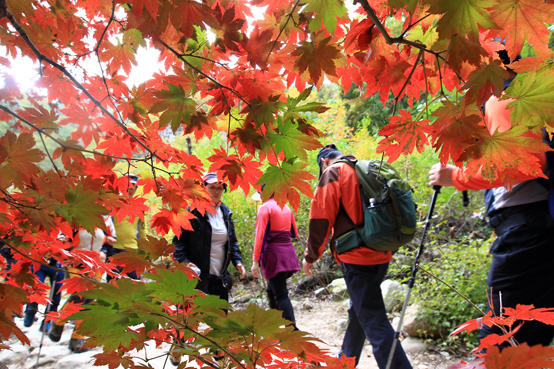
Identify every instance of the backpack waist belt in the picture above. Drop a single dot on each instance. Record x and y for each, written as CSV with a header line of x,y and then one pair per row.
x,y
505,218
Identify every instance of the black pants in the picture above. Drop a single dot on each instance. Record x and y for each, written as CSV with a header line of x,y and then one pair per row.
x,y
367,316
279,295
217,288
522,270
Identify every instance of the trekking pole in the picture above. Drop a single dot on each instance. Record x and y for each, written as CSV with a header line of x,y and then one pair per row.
x,y
414,272
52,293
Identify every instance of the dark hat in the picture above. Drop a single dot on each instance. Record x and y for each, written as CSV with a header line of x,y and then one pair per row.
x,y
324,153
133,179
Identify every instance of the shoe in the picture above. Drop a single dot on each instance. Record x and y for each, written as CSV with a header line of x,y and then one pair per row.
x,y
28,320
76,345
44,327
55,332
174,357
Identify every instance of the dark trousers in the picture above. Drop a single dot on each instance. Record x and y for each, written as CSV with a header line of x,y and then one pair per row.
x,y
216,288
522,270
367,316
53,275
279,295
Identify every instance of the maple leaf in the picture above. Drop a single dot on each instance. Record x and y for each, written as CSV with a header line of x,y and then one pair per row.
x,y
118,56
462,17
454,129
155,248
460,50
293,143
316,57
17,155
190,13
385,75
528,313
485,81
133,37
262,112
165,220
132,260
281,182
172,285
177,107
327,12
42,118
77,284
82,210
113,360
523,20
8,326
257,46
503,155
402,135
532,96
228,33
520,357
247,139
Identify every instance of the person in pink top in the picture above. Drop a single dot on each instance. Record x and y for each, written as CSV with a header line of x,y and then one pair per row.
x,y
275,253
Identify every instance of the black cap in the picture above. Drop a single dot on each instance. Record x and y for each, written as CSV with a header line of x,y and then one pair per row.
x,y
324,153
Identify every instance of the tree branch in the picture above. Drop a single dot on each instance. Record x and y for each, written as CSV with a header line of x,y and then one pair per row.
x,y
61,68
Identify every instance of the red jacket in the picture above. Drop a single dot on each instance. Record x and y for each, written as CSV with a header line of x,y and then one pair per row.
x,y
338,183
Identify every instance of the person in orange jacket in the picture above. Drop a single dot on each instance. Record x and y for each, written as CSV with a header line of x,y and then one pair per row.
x,y
521,271
363,268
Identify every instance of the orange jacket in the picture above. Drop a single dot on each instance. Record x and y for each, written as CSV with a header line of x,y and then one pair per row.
x,y
338,183
497,117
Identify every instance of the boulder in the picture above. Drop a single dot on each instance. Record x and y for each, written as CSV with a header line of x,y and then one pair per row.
x,y
393,294
416,323
338,289
413,345
341,325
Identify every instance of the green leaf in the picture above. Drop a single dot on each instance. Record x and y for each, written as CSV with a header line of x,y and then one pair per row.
x,y
172,286
533,94
462,17
282,181
134,37
327,12
176,106
82,210
288,139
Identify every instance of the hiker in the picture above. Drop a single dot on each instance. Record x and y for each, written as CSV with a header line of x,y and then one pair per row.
x,y
128,233
210,247
363,268
521,271
55,275
81,240
275,253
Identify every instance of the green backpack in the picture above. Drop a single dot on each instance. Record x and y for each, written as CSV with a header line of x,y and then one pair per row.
x,y
388,207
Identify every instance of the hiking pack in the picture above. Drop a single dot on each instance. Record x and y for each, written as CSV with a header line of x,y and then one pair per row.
x,y
388,207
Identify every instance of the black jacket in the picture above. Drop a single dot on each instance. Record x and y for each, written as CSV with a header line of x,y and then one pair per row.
x,y
195,247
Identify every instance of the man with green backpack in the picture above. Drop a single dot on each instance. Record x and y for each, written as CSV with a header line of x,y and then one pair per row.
x,y
368,212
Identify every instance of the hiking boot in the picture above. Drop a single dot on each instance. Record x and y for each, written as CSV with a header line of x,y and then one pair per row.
x,y
76,345
55,332
174,357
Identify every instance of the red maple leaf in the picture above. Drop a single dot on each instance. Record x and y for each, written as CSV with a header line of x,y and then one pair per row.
x,y
257,47
118,56
520,357
402,135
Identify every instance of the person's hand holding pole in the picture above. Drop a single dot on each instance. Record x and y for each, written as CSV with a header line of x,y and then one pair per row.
x,y
440,175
